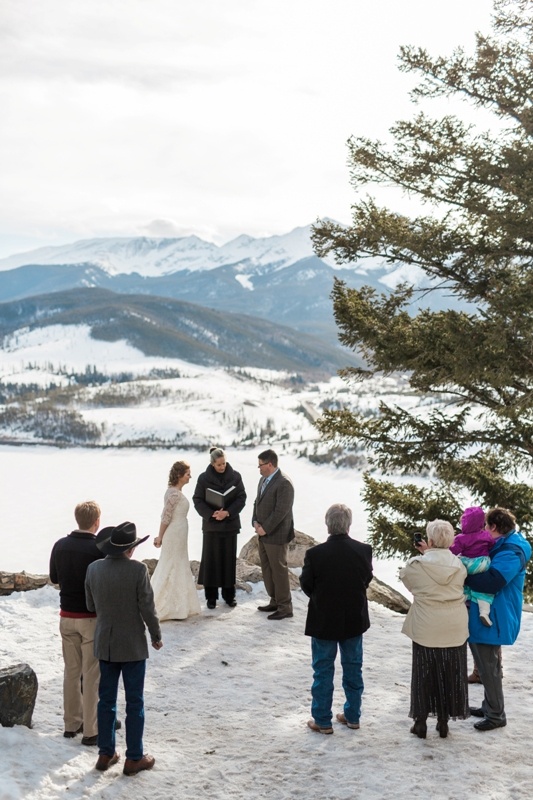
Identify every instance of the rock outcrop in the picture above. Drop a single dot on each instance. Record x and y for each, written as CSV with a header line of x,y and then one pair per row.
x,y
385,595
248,572
295,556
21,582
18,692
378,591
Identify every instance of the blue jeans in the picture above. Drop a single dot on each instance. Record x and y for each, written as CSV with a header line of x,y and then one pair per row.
x,y
324,652
133,676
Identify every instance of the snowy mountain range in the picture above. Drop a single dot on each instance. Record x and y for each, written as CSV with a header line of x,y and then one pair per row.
x,y
155,257
275,279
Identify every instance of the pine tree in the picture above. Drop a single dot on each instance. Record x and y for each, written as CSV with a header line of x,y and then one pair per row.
x,y
475,242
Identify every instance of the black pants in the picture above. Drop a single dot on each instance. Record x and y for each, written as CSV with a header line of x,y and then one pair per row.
x,y
228,593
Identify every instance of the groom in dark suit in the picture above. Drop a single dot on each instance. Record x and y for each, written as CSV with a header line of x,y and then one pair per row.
x,y
335,577
274,525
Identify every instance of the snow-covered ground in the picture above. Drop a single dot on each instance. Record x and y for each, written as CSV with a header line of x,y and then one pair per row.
x,y
227,701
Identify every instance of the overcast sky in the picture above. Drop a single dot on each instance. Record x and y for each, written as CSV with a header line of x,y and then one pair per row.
x,y
214,117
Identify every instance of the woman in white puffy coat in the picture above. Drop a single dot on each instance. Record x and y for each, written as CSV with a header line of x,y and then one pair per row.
x,y
437,623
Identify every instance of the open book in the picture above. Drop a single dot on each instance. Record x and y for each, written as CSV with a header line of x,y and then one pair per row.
x,y
217,499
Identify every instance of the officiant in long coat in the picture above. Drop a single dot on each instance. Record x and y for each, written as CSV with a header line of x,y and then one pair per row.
x,y
219,497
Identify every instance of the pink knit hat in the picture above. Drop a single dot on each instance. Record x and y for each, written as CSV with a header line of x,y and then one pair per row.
x,y
473,520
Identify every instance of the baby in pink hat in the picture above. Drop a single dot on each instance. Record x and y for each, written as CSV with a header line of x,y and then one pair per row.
x,y
472,546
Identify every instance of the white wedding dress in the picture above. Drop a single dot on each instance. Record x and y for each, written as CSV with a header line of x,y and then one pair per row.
x,y
174,588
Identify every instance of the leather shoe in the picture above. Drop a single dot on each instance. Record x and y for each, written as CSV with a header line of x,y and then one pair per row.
x,y
342,719
231,603
105,761
211,603
280,615
90,741
118,724
476,712
72,734
269,607
314,727
133,767
489,724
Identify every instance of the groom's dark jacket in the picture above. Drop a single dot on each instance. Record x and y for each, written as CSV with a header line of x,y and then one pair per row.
x,y
335,577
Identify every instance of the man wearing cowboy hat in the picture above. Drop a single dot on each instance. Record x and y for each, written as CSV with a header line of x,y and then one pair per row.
x,y
118,589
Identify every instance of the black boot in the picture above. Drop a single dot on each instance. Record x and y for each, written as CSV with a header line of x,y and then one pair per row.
x,y
211,595
442,727
420,728
228,594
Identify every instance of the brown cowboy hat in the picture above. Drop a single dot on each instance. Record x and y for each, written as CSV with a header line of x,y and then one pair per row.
x,y
114,540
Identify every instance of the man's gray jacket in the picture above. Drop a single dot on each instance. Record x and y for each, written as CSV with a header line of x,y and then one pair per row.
x,y
273,509
118,589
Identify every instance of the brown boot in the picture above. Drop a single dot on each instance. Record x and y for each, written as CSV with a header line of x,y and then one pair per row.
x,y
474,677
133,767
104,761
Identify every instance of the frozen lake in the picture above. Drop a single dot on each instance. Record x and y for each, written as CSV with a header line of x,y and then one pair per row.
x,y
41,485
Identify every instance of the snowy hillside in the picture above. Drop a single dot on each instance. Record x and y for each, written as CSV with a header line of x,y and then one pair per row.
x,y
166,327
59,385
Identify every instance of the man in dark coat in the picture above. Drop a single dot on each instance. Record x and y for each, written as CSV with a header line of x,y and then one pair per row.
x,y
335,577
274,525
118,589
69,561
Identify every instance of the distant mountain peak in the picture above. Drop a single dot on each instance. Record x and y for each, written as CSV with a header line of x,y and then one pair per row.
x,y
240,241
158,256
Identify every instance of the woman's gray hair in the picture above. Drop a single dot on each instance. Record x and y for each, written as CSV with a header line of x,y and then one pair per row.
x,y
440,533
215,453
338,519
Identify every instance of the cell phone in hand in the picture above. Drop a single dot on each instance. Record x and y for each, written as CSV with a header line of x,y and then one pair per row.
x,y
418,539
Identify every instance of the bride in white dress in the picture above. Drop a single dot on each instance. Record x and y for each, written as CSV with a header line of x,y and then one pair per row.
x,y
174,587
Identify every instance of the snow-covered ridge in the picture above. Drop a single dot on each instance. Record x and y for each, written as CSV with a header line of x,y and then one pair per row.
x,y
193,407
152,257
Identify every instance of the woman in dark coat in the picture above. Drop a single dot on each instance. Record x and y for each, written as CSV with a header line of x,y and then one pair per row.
x,y
219,498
